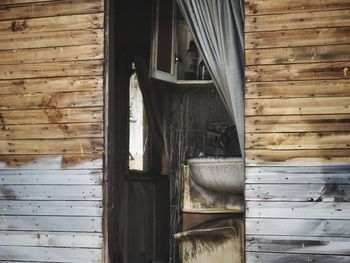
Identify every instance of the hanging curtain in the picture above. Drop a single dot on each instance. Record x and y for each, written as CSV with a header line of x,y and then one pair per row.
x,y
157,124
217,26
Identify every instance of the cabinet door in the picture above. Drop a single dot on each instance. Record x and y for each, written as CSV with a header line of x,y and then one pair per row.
x,y
164,41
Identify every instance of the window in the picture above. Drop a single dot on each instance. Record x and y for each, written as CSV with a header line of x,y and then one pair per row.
x,y
138,128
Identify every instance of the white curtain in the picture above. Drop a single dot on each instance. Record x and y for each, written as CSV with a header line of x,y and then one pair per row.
x,y
217,26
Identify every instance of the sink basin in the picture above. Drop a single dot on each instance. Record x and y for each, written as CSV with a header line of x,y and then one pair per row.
x,y
222,175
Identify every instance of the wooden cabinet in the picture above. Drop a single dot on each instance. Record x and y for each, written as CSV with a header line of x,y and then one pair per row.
x,y
175,57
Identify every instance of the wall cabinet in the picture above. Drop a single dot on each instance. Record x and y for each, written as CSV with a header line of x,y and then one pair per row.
x,y
175,57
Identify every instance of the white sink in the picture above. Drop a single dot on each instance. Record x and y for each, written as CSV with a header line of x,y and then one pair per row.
x,y
222,175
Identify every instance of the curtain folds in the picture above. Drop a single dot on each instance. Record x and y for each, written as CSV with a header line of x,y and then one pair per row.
x,y
218,29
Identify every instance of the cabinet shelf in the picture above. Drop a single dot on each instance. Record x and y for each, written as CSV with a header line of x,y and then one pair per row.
x,y
175,57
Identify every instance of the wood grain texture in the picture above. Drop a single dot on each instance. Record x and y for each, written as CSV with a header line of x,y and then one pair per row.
x,y
301,140
256,157
50,39
52,100
45,9
294,106
51,208
51,192
259,7
298,192
256,257
51,131
51,223
295,38
48,162
50,85
71,53
47,254
51,146
288,21
51,177
49,24
298,175
299,245
57,69
298,227
13,2
302,210
292,55
50,239
51,115
311,71
298,123
299,89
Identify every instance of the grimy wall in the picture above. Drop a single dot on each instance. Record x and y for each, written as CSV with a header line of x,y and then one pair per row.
x,y
51,130
297,131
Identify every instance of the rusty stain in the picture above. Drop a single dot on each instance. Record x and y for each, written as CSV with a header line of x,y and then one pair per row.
x,y
19,25
7,193
2,119
53,115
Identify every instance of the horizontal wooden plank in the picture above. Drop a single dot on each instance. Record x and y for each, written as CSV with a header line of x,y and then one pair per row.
x,y
298,123
50,239
298,192
57,69
297,157
298,245
57,8
259,7
298,175
55,23
303,106
45,162
52,100
256,257
51,177
295,38
42,116
51,85
47,254
53,54
300,140
51,146
288,21
307,210
13,2
292,55
290,89
311,71
51,223
50,192
51,39
51,131
298,227
51,208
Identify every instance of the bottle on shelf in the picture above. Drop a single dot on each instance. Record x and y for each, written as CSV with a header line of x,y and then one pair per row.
x,y
192,58
203,73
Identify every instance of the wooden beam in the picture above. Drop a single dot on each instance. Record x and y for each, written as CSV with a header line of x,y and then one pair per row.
x,y
45,9
302,20
295,38
259,7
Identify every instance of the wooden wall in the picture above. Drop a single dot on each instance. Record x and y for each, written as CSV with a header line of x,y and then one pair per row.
x,y
297,130
51,130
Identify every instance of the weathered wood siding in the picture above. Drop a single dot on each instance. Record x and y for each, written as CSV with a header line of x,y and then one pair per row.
x,y
297,131
51,130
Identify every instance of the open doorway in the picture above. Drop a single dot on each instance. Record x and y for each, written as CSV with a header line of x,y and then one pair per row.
x,y
158,126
